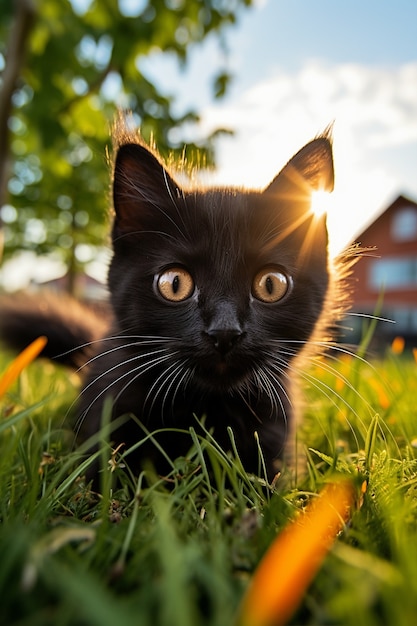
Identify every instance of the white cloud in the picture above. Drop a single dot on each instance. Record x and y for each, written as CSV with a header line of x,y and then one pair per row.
x,y
375,111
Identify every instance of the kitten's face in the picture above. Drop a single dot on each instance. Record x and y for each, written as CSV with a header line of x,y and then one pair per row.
x,y
231,282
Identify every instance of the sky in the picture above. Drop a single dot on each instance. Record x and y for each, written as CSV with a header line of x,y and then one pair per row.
x,y
299,66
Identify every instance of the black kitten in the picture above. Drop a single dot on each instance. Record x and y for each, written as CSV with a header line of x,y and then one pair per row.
x,y
215,294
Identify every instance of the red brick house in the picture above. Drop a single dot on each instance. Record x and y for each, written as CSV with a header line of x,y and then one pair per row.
x,y
390,271
85,287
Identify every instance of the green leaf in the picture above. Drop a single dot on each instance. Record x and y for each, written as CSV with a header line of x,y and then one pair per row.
x,y
67,49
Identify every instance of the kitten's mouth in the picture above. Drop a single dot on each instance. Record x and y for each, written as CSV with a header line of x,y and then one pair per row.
x,y
221,368
222,374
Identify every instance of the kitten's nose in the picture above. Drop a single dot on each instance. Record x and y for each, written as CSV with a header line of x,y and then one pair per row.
x,y
224,339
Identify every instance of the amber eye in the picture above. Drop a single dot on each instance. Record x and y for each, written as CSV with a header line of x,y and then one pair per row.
x,y
175,284
270,285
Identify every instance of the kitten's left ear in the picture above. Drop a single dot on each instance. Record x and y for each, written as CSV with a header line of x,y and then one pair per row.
x,y
311,169
141,188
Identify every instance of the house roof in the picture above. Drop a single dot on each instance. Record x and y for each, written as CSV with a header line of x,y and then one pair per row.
x,y
399,202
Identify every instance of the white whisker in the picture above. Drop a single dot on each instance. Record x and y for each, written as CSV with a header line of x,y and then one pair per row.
x,y
165,377
138,371
178,375
139,340
272,386
139,344
371,317
184,381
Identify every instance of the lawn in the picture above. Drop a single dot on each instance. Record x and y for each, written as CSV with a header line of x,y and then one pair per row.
x,y
182,551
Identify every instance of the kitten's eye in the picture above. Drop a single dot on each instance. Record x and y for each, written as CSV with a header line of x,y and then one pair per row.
x,y
270,285
175,284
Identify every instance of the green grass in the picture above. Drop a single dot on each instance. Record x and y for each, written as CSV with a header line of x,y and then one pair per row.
x,y
182,553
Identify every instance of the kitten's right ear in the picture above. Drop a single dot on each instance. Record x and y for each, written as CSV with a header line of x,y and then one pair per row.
x,y
311,169
141,186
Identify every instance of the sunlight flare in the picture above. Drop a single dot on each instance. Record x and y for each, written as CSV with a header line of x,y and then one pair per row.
x,y
320,203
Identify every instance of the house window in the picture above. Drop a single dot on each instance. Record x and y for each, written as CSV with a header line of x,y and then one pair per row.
x,y
393,273
404,224
405,320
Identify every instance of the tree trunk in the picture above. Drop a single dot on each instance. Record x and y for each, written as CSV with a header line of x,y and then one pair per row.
x,y
24,16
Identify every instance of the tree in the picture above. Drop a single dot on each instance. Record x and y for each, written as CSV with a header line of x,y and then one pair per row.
x,y
65,67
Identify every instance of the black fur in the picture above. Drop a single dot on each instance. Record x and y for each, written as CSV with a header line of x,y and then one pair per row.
x,y
221,352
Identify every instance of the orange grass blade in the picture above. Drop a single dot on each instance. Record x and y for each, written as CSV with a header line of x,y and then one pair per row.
x,y
20,362
294,558
397,345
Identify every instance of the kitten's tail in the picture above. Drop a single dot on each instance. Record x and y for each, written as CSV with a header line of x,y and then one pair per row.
x,y
70,327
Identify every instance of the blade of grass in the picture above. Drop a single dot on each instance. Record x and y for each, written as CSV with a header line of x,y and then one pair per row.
x,y
370,441
21,415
